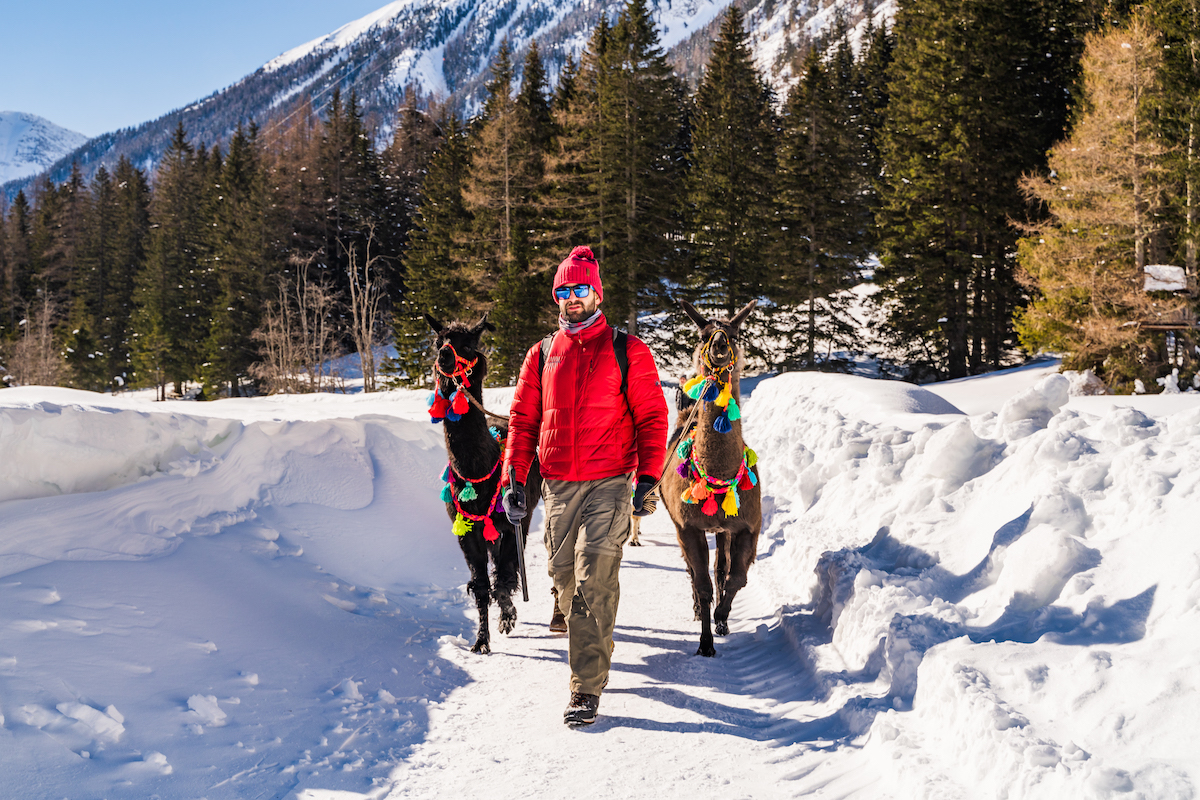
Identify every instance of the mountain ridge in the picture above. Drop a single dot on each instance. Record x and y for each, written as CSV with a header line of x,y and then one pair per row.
x,y
444,49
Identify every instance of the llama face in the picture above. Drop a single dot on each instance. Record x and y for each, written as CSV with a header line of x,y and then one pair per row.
x,y
718,350
459,355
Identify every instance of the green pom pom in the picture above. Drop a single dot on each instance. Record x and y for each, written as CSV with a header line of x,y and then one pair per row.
x,y
467,493
751,457
447,493
684,448
693,387
733,412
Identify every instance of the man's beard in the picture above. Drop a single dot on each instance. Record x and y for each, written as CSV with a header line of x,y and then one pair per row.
x,y
579,315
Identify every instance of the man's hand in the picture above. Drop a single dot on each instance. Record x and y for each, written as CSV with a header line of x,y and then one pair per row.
x,y
514,503
645,501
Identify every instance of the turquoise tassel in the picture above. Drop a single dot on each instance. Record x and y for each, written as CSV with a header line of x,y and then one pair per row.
x,y
684,448
447,493
467,493
722,425
446,474
733,412
753,478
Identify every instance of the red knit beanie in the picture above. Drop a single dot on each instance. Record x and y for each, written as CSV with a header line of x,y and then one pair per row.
x,y
580,267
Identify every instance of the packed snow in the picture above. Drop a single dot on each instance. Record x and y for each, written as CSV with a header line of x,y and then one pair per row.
x,y
982,588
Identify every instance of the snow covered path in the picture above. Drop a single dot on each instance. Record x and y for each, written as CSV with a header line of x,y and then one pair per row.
x,y
671,725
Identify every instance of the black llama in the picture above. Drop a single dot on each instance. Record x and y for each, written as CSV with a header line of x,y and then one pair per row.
x,y
473,479
715,486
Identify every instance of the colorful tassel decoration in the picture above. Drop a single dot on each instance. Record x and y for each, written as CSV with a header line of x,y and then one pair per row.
x,y
467,493
753,478
751,457
446,474
722,424
460,404
682,469
687,496
729,505
447,493
710,506
725,396
489,530
700,491
684,449
461,526
437,411
692,387
711,391
450,415
732,411
744,482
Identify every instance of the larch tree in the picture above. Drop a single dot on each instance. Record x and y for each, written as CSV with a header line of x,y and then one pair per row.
x,y
1105,192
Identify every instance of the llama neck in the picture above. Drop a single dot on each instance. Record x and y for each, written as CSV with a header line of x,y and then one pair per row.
x,y
469,442
719,454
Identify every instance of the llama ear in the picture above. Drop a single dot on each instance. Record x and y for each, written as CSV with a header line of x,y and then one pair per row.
x,y
696,317
435,325
483,325
740,316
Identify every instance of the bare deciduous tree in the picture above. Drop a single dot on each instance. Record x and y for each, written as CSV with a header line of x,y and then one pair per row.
x,y
34,359
366,303
297,338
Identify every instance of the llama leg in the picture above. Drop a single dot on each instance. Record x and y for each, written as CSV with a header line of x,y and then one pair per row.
x,y
694,543
743,546
504,555
475,551
721,571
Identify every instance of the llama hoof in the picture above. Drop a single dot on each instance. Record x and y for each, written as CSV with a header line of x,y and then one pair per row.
x,y
482,646
706,650
507,623
721,628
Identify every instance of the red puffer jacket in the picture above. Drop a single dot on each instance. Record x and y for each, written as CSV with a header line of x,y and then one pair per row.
x,y
576,419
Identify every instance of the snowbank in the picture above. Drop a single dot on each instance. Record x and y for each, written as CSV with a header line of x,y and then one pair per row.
x,y
1003,598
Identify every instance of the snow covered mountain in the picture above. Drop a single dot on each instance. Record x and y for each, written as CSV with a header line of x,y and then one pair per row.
x,y
444,49
29,144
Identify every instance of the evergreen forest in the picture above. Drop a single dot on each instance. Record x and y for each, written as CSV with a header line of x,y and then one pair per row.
x,y
997,174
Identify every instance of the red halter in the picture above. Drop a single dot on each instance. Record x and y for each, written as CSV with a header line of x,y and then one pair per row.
x,y
462,367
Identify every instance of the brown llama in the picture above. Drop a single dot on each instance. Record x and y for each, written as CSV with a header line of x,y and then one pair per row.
x,y
473,479
715,486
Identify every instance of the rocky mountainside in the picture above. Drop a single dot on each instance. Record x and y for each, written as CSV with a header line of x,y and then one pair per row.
x,y
443,48
29,144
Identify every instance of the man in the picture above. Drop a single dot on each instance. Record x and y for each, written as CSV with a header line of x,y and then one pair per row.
x,y
591,440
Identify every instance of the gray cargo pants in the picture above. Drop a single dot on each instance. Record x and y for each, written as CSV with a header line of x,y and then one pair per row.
x,y
587,525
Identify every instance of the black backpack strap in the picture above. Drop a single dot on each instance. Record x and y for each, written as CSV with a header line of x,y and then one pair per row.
x,y
544,352
621,351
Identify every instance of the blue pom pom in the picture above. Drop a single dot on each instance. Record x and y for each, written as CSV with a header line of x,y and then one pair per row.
x,y
722,424
453,417
712,391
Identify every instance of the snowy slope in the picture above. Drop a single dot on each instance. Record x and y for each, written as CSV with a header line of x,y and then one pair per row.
x,y
262,598
29,144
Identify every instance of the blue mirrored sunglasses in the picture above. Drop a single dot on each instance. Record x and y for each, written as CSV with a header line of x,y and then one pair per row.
x,y
563,292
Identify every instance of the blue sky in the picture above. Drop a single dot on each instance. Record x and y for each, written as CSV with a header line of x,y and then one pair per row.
x,y
95,66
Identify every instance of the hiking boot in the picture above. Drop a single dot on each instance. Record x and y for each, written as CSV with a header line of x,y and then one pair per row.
x,y
582,709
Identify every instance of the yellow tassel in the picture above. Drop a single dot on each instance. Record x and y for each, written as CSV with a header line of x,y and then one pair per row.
x,y
461,526
726,393
729,505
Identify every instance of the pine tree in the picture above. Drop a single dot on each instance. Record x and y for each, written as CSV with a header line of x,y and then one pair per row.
x,y
128,241
18,267
502,193
731,183
821,202
975,92
86,343
237,237
166,320
434,281
1106,188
